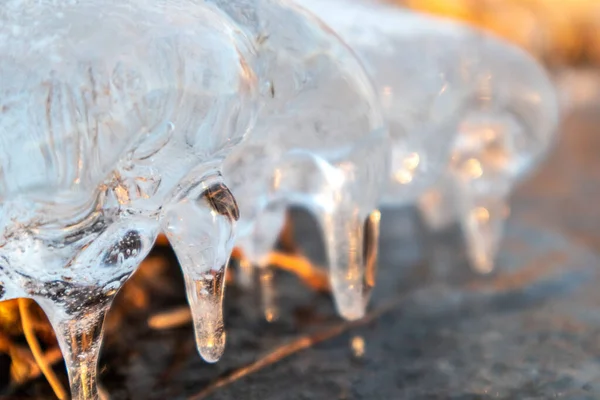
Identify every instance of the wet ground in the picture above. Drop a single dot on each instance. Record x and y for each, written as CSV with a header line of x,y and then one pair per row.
x,y
531,330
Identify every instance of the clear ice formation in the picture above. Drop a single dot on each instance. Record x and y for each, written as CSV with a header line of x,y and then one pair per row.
x,y
320,141
109,134
469,114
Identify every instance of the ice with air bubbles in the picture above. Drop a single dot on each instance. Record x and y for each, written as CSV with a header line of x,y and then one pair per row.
x,y
107,137
469,114
206,120
319,142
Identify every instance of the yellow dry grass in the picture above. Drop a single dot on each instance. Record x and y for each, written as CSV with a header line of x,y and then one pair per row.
x,y
556,31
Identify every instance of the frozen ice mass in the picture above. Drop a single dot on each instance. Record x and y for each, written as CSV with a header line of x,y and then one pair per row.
x,y
206,120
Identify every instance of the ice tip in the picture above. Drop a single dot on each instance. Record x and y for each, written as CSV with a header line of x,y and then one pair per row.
x,y
350,300
352,311
482,264
352,314
212,350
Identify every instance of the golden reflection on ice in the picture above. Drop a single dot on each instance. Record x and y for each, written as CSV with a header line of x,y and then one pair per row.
x,y
412,161
481,214
473,168
403,177
406,173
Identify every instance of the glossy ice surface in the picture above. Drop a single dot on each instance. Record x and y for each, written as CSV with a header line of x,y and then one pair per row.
x,y
467,112
319,141
108,136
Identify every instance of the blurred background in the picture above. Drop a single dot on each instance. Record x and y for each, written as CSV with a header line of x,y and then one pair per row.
x,y
563,35
531,330
559,33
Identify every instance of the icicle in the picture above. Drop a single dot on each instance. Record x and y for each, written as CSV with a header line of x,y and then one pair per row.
x,y
80,337
245,275
352,244
437,205
482,219
257,247
343,234
372,227
268,292
77,310
200,227
340,196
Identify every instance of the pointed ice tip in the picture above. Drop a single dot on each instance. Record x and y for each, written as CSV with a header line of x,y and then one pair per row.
x,y
349,297
483,227
353,315
212,350
352,310
271,315
482,264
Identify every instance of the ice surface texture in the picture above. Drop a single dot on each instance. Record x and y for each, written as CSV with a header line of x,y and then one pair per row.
x,y
320,142
115,117
466,111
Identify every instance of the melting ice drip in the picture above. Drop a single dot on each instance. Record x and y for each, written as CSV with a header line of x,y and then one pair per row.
x,y
108,136
319,142
469,114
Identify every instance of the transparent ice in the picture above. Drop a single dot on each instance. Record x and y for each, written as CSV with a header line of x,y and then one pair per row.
x,y
469,114
320,142
115,117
